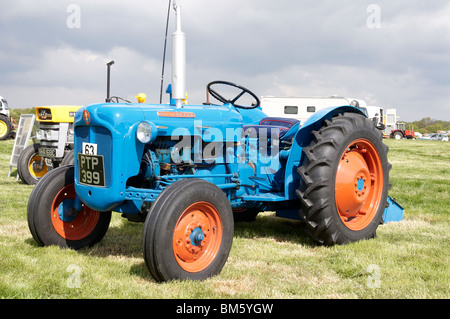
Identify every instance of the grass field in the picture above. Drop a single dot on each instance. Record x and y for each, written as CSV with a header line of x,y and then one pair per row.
x,y
270,258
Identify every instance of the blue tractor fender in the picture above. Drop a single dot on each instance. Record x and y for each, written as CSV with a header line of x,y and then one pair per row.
x,y
302,139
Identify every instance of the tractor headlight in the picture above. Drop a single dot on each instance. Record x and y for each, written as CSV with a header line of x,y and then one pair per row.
x,y
146,132
40,135
47,135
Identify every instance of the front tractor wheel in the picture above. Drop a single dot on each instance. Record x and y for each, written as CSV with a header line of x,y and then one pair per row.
x,y
344,180
53,218
31,167
188,232
398,135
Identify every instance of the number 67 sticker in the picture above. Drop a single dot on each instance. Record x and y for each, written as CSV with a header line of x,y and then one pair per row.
x,y
89,149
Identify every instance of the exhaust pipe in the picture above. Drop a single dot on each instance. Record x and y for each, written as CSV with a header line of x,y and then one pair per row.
x,y
108,75
178,61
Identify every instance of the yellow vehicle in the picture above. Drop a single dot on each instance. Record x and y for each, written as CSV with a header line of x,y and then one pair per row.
x,y
55,147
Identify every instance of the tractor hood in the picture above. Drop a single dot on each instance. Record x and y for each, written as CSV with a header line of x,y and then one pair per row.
x,y
119,117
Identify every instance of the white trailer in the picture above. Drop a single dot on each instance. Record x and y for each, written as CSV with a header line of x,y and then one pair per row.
x,y
301,108
375,113
390,121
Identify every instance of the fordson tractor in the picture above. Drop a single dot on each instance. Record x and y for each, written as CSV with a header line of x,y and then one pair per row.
x,y
187,170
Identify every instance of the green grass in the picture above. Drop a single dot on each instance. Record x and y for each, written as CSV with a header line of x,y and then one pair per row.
x,y
270,258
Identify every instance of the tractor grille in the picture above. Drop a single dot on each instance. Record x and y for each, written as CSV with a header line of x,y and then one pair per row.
x,y
48,134
100,136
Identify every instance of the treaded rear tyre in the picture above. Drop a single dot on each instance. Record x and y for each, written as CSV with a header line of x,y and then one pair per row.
x,y
344,180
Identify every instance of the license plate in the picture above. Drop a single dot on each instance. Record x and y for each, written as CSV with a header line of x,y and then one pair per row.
x,y
91,170
47,152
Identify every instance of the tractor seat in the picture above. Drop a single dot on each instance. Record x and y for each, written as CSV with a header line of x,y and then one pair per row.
x,y
282,127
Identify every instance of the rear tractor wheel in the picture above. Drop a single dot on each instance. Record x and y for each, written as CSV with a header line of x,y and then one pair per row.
x,y
344,180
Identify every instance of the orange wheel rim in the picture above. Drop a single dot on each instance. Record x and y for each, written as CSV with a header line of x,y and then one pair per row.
x,y
35,168
359,184
72,226
197,237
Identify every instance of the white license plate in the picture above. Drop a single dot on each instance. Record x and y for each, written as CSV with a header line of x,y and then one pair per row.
x,y
89,148
47,152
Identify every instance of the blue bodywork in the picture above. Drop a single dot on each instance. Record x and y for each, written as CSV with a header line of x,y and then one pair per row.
x,y
136,173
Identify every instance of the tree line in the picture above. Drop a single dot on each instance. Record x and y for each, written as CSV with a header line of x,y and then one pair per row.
x,y
428,125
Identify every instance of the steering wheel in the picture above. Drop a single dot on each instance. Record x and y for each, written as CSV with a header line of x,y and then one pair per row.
x,y
117,98
233,100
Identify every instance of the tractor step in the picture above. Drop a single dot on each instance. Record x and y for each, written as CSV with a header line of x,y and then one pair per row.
x,y
394,212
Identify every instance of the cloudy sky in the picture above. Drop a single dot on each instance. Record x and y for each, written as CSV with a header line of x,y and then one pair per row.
x,y
395,54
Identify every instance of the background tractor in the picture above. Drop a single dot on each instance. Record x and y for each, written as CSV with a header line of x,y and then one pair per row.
x,y
186,170
55,143
400,132
6,123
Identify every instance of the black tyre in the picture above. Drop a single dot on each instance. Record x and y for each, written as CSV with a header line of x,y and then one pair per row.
x,y
31,167
69,158
52,219
188,231
344,180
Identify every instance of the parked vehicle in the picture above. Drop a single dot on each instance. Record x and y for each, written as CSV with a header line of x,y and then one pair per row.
x,y
56,137
400,132
302,108
441,137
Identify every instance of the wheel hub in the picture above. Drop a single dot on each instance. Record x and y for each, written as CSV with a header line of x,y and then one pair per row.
x,y
358,184
69,223
192,235
37,167
3,128
65,210
197,236
351,183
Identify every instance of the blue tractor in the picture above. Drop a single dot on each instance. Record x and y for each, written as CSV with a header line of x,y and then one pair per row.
x,y
189,171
